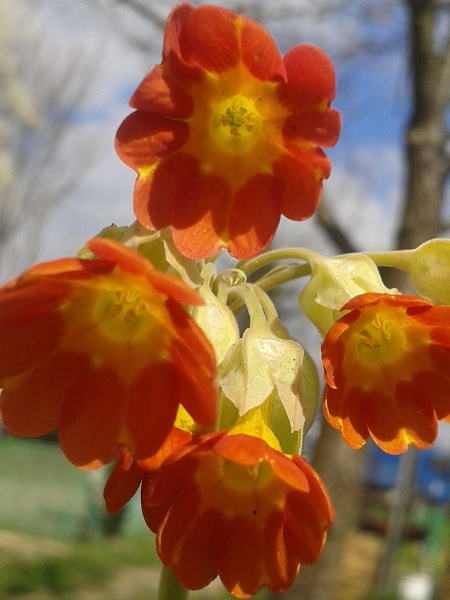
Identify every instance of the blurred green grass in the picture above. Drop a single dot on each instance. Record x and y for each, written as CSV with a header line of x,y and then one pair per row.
x,y
43,494
50,506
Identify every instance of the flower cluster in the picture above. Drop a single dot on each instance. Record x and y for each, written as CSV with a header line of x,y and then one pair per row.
x,y
132,351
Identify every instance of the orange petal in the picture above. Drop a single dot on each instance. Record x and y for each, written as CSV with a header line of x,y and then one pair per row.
x,y
281,567
122,484
343,409
254,216
191,355
175,440
134,263
194,568
396,423
32,406
200,221
238,551
305,528
159,93
260,53
208,39
320,127
311,80
435,384
92,418
175,288
29,330
127,259
142,138
154,397
182,512
301,187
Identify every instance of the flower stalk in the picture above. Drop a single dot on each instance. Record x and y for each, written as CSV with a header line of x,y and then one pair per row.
x,y
169,586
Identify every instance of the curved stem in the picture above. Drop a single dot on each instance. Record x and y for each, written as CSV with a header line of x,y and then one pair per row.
x,y
275,277
399,259
249,266
282,274
246,296
169,586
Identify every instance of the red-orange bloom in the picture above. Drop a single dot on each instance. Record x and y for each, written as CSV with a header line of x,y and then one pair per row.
x,y
226,134
232,506
103,351
387,369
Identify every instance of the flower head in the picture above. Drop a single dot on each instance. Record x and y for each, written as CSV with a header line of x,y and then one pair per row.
x,y
230,505
226,134
103,351
387,369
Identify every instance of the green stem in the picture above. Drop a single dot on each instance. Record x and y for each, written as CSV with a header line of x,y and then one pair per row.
x,y
246,296
399,259
282,274
249,266
275,277
169,586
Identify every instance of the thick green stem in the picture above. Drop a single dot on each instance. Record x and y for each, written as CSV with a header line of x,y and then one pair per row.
x,y
169,586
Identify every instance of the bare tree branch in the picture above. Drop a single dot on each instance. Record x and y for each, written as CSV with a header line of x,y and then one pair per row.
x,y
43,88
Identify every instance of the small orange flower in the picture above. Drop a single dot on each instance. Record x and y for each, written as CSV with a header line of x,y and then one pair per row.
x,y
226,134
230,505
387,369
103,351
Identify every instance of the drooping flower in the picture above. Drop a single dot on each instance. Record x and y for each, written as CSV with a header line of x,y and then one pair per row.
x,y
103,351
387,369
226,135
230,505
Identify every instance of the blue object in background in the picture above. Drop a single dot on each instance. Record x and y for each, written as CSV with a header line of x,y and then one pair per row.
x,y
432,479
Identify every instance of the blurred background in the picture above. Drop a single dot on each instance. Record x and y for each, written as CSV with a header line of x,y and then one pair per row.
x,y
67,70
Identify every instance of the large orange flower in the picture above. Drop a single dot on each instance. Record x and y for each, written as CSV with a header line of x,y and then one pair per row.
x,y
226,134
230,505
103,351
387,369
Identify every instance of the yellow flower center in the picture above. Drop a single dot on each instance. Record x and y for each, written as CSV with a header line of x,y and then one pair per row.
x,y
236,124
380,342
123,315
117,325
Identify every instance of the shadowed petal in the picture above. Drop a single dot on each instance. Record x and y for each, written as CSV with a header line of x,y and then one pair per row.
x,y
32,405
254,216
160,93
86,437
143,138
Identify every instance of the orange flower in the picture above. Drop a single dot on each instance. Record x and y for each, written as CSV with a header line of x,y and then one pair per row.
x,y
232,506
387,369
226,134
103,351
127,474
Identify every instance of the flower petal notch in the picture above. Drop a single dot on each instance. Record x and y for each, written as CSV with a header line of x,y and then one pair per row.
x,y
251,513
227,135
104,352
387,371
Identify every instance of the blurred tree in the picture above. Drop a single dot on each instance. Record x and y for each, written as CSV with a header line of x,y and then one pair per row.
x,y
42,85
